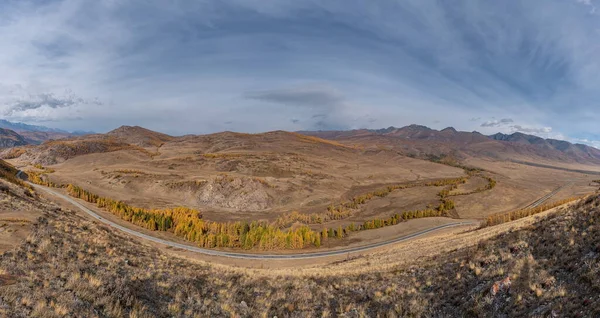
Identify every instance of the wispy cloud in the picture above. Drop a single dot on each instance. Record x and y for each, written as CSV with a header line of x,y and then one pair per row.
x,y
33,102
303,97
589,4
531,130
497,123
323,106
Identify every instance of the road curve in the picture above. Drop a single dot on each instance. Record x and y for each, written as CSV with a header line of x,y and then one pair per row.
x,y
246,255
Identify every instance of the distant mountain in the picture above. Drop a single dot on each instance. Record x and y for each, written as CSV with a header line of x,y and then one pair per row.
x,y
422,141
414,140
20,127
34,134
573,150
9,138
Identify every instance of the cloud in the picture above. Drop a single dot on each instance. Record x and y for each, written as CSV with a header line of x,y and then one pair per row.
x,y
322,107
589,4
48,100
531,130
593,143
497,123
302,97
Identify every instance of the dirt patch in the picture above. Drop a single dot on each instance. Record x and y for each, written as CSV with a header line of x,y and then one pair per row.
x,y
236,193
7,280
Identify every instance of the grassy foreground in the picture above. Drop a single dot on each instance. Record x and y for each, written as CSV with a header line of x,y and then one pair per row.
x,y
71,267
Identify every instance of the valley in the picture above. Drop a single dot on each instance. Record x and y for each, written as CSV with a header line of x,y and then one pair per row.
x,y
301,192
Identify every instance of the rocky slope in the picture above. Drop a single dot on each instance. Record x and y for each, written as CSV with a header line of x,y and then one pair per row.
x,y
9,138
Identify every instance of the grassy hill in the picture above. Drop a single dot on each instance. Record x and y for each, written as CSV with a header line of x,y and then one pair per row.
x,y
552,266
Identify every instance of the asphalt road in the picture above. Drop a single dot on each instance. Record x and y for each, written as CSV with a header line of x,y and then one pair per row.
x,y
246,255
547,197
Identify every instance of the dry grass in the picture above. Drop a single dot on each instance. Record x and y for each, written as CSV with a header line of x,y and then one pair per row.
x,y
72,267
317,140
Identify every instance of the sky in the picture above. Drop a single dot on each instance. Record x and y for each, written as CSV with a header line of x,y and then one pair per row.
x,y
194,67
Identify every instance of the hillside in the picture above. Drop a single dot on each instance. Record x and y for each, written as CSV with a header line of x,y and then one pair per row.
x,y
426,142
56,151
9,138
544,268
39,137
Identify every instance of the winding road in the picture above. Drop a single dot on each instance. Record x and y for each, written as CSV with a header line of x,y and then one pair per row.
x,y
244,255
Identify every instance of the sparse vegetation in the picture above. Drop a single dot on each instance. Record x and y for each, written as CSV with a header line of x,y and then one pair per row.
x,y
130,171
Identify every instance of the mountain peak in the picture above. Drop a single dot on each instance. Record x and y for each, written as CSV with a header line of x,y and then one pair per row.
x,y
140,136
419,127
449,129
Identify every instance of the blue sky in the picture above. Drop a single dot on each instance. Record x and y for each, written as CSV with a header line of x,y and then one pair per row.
x,y
258,65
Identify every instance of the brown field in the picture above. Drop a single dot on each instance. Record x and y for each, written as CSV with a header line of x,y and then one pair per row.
x,y
255,185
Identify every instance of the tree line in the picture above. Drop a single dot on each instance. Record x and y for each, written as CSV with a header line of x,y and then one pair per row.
x,y
188,223
500,218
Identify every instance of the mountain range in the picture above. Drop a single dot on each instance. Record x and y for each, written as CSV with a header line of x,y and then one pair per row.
x,y
423,141
414,140
33,134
